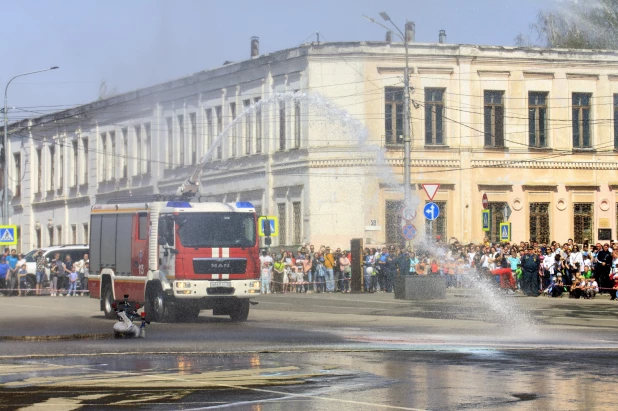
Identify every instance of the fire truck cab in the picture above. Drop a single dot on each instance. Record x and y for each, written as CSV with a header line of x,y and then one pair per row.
x,y
175,257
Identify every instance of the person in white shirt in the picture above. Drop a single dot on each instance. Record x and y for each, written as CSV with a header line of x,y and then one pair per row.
x,y
576,257
266,265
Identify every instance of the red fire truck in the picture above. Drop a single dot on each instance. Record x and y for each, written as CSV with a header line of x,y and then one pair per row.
x,y
174,257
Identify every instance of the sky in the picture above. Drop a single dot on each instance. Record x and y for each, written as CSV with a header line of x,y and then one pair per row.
x,y
137,43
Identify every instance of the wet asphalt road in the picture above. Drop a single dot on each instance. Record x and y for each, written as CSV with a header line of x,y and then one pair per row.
x,y
318,352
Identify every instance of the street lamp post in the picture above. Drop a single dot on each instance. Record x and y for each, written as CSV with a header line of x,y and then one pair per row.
x,y
406,109
5,145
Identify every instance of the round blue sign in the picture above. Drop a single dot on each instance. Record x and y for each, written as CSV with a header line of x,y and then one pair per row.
x,y
431,211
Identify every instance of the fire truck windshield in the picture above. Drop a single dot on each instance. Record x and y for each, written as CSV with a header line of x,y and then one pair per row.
x,y
216,229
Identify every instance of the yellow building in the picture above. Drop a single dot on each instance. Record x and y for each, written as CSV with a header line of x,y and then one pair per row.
x,y
313,136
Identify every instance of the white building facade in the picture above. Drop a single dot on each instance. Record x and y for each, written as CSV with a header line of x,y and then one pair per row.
x,y
531,128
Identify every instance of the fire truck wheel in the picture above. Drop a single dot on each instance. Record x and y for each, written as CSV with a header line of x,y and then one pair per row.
x,y
108,300
240,311
160,307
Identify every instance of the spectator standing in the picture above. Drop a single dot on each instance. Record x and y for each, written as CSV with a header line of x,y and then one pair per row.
x,y
329,264
4,272
57,273
68,265
603,267
390,272
72,277
278,272
41,275
12,259
266,264
345,269
82,267
320,274
413,262
530,264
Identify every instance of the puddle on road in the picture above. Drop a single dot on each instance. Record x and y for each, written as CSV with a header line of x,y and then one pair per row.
x,y
415,380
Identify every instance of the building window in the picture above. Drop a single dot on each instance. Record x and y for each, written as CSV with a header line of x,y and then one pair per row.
x,y
85,159
296,124
258,125
17,175
39,168
537,119
297,222
434,116
616,122
75,164
393,222
248,126
52,167
37,233
59,234
282,125
170,142
74,233
539,222
86,233
61,168
393,115
148,144
583,219
581,120
494,118
193,148
181,138
138,150
233,135
112,139
282,223
142,229
125,153
438,226
105,161
209,129
497,217
219,114
50,233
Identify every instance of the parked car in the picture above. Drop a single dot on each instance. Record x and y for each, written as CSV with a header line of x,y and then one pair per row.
x,y
75,251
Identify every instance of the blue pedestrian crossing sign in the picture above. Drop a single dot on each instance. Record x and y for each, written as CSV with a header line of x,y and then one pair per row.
x,y
431,211
486,220
272,221
8,235
505,232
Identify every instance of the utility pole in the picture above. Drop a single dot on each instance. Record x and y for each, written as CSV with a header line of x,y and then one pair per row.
x,y
407,137
5,146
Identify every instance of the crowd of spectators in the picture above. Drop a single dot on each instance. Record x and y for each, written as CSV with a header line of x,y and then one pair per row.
x,y
58,277
530,268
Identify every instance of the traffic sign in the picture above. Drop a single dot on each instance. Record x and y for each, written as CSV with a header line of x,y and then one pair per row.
x,y
272,221
408,213
485,201
408,231
486,219
431,190
505,232
8,235
431,211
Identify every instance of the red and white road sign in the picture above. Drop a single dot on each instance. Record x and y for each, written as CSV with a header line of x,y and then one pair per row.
x,y
408,213
485,202
431,190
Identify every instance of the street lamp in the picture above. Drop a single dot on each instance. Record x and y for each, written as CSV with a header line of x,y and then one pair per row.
x,y
5,145
406,108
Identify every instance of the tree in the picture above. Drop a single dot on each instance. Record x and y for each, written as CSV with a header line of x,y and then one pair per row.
x,y
577,25
105,92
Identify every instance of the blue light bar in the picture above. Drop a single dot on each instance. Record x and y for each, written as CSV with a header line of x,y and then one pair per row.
x,y
244,204
178,204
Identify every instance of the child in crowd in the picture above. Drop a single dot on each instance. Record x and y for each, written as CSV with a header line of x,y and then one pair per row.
x,y
592,288
20,274
73,283
320,275
421,267
435,268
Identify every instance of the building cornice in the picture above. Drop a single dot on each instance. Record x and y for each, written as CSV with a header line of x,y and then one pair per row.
x,y
567,165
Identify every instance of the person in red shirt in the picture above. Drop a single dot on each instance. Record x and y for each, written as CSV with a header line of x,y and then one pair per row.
x,y
435,268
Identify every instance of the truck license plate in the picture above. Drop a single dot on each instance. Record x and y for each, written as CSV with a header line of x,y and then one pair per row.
x,y
214,284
